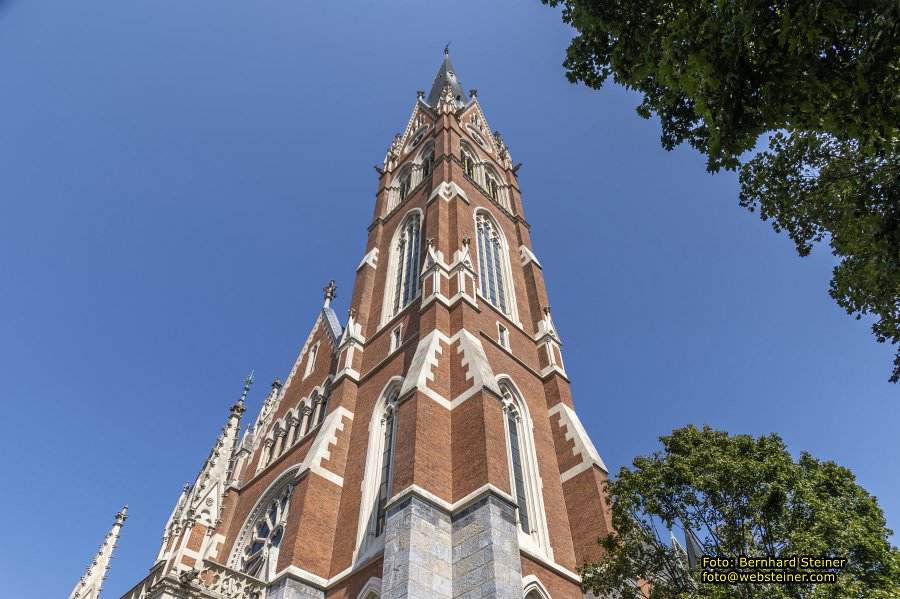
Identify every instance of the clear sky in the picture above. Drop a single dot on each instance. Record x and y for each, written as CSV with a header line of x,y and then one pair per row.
x,y
179,179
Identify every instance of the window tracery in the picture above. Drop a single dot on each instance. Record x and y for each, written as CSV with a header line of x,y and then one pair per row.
x,y
406,263
492,263
260,555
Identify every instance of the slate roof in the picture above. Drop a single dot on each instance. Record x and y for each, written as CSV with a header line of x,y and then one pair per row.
x,y
446,74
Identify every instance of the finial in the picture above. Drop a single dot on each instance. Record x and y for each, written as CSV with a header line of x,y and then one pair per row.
x,y
447,49
430,242
185,488
420,95
547,310
466,240
247,382
122,515
473,93
276,384
329,292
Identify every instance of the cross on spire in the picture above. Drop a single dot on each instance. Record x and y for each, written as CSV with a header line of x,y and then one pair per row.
x,y
330,292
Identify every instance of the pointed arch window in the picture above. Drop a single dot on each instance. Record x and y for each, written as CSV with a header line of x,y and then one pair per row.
x,y
389,422
321,406
515,449
406,281
492,263
260,556
427,161
468,160
524,476
405,183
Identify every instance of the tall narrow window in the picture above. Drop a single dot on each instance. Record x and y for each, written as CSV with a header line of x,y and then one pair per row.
x,y
502,335
491,263
322,407
493,188
515,449
387,458
405,183
468,161
406,285
311,360
427,162
396,337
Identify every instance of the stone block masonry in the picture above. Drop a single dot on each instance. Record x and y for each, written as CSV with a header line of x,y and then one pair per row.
x,y
417,551
293,589
486,551
431,554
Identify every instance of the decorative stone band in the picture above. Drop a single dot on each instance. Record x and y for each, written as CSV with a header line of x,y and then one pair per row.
x,y
212,581
371,259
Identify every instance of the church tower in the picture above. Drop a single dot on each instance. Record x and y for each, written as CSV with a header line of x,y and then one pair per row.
x,y
427,448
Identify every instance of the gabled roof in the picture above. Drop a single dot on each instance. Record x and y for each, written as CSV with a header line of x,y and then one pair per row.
x,y
446,75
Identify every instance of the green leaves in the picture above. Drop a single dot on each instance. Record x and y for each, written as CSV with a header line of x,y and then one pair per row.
x,y
823,77
740,495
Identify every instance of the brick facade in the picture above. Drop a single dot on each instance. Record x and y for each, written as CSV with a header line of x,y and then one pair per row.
x,y
450,390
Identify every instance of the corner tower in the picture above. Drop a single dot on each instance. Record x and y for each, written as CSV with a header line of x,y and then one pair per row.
x,y
429,448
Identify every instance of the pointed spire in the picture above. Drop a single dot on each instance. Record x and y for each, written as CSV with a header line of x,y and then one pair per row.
x,y
694,549
91,583
446,76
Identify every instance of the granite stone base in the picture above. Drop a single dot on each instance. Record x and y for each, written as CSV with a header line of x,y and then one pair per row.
x,y
486,560
289,588
431,554
417,551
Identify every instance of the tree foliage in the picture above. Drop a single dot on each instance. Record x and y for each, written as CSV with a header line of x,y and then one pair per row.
x,y
740,495
820,78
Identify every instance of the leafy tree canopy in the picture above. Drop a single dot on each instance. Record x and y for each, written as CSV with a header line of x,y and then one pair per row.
x,y
820,78
740,495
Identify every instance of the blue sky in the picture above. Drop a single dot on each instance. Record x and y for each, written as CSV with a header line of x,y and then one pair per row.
x,y
179,179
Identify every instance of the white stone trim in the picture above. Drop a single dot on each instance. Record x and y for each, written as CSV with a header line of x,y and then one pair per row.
x,y
532,583
320,450
426,357
551,565
445,505
370,258
527,256
368,488
373,585
447,190
539,537
583,446
300,574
